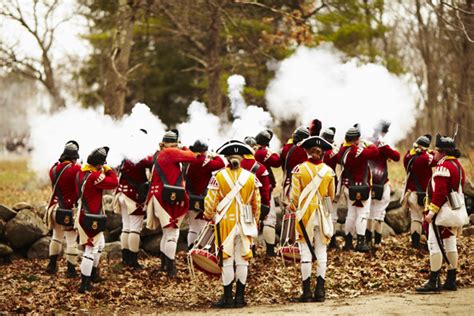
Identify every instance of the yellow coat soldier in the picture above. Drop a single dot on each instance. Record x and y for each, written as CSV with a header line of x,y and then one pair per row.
x,y
311,198
233,202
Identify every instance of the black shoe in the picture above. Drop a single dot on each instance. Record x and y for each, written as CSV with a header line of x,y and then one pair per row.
x,y
95,276
450,284
170,267
271,250
377,238
71,271
361,245
85,284
319,293
368,236
348,242
432,285
240,296
134,261
125,257
52,267
333,243
415,240
306,296
226,300
163,266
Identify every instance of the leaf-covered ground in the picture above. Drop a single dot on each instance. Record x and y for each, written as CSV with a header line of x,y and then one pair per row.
x,y
395,268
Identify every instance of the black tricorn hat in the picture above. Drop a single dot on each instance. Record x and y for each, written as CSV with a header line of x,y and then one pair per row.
x,y
98,156
199,146
71,151
264,137
445,142
234,147
316,141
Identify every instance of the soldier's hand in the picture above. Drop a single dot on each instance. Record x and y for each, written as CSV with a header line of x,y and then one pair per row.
x,y
429,217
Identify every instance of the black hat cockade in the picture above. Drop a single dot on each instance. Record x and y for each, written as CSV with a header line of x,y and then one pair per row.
x,y
300,133
353,133
234,147
199,146
316,141
70,152
98,156
264,137
328,134
444,142
424,140
170,137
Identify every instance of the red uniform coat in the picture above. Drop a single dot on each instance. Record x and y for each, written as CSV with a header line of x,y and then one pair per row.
x,y
262,175
357,162
330,158
66,183
378,166
170,160
200,172
420,167
93,189
269,160
298,155
137,174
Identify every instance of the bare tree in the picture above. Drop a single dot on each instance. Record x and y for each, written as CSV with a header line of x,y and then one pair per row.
x,y
41,25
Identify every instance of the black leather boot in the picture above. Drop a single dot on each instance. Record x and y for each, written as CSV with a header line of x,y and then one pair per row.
x,y
125,258
306,296
226,300
348,242
134,261
319,293
271,250
163,262
361,245
377,238
71,271
52,267
432,285
415,240
170,267
333,243
368,236
95,276
450,284
240,295
85,284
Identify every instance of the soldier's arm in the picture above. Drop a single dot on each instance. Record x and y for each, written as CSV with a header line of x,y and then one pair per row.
x,y
256,200
107,180
332,188
370,152
215,164
440,189
390,153
295,189
184,155
213,197
274,160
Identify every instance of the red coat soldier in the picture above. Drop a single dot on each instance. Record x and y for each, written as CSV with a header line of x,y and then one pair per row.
x,y
63,179
95,177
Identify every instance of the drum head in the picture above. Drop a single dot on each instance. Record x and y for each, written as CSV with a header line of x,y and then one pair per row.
x,y
205,261
290,253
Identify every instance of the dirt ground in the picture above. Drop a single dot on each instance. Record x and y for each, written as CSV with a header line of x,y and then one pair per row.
x,y
446,303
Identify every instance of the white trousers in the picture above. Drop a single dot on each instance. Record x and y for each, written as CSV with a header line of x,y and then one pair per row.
x,y
269,224
56,243
356,220
169,242
91,256
195,226
131,228
321,256
416,213
450,247
241,265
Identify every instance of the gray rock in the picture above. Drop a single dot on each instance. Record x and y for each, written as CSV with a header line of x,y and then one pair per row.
x,y
395,199
471,219
152,244
469,188
25,229
22,206
113,220
398,219
468,231
40,249
6,213
5,250
387,231
341,213
3,224
113,235
147,232
41,209
113,250
108,202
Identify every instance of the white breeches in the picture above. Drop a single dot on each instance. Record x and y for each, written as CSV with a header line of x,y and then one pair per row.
x,y
416,213
55,245
321,256
131,228
269,224
169,242
241,265
379,207
356,220
91,256
195,226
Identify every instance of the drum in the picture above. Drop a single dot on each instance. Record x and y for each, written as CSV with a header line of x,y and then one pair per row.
x,y
204,253
289,249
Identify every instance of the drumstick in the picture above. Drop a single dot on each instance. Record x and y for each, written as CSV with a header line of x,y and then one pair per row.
x,y
219,250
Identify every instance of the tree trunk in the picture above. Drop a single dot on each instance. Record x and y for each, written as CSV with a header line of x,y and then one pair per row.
x,y
116,77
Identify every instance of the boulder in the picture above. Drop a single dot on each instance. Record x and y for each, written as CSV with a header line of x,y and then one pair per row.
x,y
469,188
113,250
147,232
113,235
108,202
468,231
398,219
5,250
40,249
22,206
471,219
152,244
113,220
341,213
6,213
395,197
3,224
41,209
387,230
25,229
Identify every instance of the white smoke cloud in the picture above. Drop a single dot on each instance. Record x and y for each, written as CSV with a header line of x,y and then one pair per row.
x,y
317,83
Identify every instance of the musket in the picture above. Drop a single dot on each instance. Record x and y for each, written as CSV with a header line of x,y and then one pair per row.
x,y
438,238
306,238
219,243
456,129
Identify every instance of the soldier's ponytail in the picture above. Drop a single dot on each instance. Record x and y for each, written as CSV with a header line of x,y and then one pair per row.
x,y
234,163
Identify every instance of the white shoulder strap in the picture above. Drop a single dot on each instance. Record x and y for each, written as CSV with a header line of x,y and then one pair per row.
x,y
225,203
